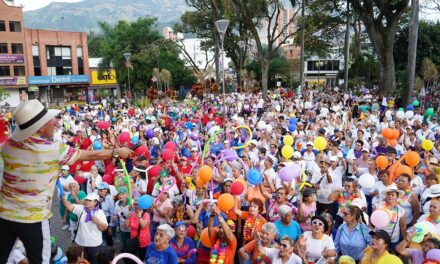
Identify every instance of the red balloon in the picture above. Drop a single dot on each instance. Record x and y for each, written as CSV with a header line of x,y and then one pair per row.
x,y
171,145
140,150
237,188
103,125
124,137
80,179
191,231
154,171
167,154
108,178
131,112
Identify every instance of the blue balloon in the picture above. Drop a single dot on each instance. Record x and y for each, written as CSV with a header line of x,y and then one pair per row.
x,y
145,201
188,125
68,109
97,145
410,107
135,139
292,127
293,120
254,177
113,119
186,152
60,189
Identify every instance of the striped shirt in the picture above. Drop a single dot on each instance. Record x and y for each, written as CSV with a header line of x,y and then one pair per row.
x,y
31,169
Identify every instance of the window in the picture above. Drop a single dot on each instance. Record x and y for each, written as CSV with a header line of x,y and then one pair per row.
x,y
3,47
35,50
37,71
2,25
19,71
14,26
79,54
51,71
4,71
17,48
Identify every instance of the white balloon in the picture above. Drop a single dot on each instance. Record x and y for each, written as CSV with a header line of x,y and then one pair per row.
x,y
261,125
400,114
269,128
366,180
409,114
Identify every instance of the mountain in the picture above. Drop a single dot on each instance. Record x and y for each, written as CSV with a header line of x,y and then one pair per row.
x,y
85,15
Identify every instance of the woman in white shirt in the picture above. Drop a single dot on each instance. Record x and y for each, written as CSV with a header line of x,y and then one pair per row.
x,y
318,243
284,254
91,223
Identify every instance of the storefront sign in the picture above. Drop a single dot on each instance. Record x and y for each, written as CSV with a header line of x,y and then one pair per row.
x,y
58,79
106,77
7,81
5,58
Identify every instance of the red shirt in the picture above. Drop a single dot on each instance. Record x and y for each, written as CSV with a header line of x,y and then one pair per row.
x,y
144,236
86,143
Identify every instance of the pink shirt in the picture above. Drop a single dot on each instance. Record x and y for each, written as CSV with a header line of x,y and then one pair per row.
x,y
144,236
307,210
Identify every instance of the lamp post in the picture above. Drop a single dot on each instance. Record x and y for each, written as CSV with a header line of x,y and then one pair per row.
x,y
241,45
127,56
319,64
222,26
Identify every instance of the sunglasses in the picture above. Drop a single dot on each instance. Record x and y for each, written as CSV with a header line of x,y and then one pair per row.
x,y
318,223
181,228
284,246
227,185
346,213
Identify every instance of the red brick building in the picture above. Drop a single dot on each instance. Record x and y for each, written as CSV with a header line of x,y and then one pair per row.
x,y
13,68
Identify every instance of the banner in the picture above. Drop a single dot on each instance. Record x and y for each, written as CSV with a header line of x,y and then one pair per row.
x,y
8,81
58,79
106,77
7,58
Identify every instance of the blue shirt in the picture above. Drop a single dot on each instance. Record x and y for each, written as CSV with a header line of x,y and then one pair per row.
x,y
154,256
352,243
293,230
187,251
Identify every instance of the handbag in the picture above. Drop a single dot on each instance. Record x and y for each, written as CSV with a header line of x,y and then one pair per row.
x,y
133,243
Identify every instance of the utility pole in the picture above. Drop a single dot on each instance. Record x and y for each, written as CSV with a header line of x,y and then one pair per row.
x,y
347,46
412,49
303,23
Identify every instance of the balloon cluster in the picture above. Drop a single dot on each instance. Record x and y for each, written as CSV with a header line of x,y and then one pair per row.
x,y
287,150
391,135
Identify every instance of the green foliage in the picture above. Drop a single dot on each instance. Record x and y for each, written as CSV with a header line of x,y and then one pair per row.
x,y
364,68
148,50
427,45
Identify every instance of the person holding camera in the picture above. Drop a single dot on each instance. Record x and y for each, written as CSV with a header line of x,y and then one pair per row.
x,y
122,210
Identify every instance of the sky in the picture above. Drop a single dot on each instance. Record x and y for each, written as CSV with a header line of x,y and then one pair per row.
x,y
35,4
432,15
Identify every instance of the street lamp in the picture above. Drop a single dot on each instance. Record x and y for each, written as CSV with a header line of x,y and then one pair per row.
x,y
319,64
127,56
241,45
222,26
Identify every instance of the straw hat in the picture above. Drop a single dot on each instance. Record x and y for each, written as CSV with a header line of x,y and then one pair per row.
x,y
30,116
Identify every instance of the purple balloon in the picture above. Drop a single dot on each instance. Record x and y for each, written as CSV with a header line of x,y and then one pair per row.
x,y
194,136
229,154
208,126
288,173
150,133
243,137
433,254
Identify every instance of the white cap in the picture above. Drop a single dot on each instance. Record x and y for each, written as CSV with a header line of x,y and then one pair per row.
x,y
253,141
92,196
333,158
366,149
65,167
310,143
358,202
226,141
194,149
297,155
156,129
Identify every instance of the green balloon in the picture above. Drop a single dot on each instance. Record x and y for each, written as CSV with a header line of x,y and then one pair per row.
x,y
415,103
430,111
401,109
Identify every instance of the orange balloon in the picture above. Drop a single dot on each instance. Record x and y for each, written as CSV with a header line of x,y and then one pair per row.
x,y
200,183
403,169
396,133
205,239
205,173
412,158
225,202
381,162
392,142
387,133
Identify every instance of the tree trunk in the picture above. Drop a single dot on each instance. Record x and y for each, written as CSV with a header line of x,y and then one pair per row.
x,y
387,71
347,47
264,76
412,51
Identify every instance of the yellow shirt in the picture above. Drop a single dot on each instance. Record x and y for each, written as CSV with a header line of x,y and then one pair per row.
x,y
366,257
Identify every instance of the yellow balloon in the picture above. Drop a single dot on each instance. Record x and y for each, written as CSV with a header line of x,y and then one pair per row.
x,y
292,114
288,140
320,143
427,145
287,152
388,259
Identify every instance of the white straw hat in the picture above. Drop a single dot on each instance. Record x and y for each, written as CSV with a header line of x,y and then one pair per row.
x,y
30,116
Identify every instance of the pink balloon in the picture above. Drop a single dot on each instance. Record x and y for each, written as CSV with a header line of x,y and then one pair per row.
x,y
380,218
124,137
103,125
229,154
127,255
171,145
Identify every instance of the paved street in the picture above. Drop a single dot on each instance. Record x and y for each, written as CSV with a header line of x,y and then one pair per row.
x,y
56,223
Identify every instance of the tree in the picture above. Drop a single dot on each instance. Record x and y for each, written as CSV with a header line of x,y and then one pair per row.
x,y
381,19
429,71
254,15
137,38
412,51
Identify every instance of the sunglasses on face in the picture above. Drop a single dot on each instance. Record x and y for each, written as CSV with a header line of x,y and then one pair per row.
x,y
181,228
318,223
284,246
346,213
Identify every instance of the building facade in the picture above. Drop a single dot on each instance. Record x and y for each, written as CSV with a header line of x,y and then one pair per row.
x,y
58,65
103,83
13,60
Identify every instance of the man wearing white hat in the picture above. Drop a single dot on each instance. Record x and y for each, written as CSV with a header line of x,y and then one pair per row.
x,y
31,164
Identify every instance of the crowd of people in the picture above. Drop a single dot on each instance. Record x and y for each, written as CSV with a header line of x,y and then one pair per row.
x,y
241,179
